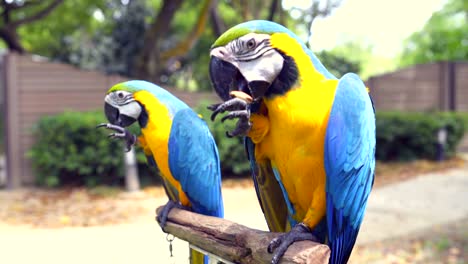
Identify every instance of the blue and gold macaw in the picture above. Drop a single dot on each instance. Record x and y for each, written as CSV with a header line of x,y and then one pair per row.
x,y
310,137
176,140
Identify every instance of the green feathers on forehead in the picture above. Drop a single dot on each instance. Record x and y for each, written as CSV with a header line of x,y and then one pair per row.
x,y
123,86
254,26
230,35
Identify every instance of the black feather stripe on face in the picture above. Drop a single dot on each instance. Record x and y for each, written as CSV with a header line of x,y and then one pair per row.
x,y
286,79
143,119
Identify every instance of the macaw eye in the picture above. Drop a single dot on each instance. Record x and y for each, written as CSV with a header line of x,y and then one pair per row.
x,y
120,95
251,43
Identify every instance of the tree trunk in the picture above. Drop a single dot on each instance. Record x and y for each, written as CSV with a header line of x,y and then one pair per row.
x,y
11,39
184,46
273,8
148,64
216,21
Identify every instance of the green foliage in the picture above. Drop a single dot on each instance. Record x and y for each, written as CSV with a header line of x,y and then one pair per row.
x,y
107,35
442,38
69,150
120,48
231,150
409,136
336,64
358,56
64,29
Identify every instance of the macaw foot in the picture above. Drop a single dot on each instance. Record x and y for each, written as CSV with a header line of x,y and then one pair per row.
x,y
237,108
122,133
162,217
280,244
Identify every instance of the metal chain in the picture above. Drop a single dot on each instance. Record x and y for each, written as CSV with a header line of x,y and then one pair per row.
x,y
169,239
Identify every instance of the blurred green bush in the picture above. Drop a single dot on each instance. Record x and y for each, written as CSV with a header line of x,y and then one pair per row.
x,y
408,136
231,150
69,150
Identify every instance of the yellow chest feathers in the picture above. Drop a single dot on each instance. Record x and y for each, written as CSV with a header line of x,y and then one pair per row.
x,y
157,130
156,137
290,132
298,119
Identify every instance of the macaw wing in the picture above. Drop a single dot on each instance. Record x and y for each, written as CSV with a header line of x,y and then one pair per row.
x,y
349,164
269,191
194,162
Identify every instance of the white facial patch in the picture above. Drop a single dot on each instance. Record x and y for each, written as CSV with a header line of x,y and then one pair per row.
x,y
265,68
253,55
125,102
131,109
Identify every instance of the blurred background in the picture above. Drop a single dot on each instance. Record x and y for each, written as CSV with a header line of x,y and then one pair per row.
x,y
65,187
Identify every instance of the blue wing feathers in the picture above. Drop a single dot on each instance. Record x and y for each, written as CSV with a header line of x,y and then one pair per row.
x,y
194,162
349,164
172,103
150,160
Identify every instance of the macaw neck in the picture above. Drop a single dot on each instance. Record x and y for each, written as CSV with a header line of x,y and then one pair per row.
x,y
143,119
156,118
286,79
298,69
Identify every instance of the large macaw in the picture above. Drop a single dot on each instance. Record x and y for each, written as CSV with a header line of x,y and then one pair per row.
x,y
176,140
310,137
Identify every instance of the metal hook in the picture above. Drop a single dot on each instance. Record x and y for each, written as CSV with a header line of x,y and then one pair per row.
x,y
168,239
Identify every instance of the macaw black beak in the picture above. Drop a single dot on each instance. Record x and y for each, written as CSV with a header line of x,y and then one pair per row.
x,y
113,115
225,77
258,88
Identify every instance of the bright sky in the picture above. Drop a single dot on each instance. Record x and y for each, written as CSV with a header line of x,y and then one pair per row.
x,y
383,23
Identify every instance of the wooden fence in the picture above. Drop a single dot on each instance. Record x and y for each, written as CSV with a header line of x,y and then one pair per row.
x,y
35,87
435,86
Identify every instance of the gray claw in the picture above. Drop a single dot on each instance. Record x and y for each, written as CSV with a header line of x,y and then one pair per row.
x,y
280,244
243,125
230,105
238,109
116,135
162,217
123,133
241,114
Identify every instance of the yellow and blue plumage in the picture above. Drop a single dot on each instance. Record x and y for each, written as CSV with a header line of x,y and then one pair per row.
x,y
310,137
176,140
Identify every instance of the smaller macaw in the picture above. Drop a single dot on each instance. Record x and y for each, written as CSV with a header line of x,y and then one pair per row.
x,y
175,140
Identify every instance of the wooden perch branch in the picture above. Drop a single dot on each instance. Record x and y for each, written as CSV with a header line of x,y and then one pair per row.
x,y
237,243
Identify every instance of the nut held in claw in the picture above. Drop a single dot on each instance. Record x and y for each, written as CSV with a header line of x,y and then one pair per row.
x,y
241,95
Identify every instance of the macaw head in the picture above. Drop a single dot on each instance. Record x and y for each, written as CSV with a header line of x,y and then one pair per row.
x,y
131,101
257,57
120,106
